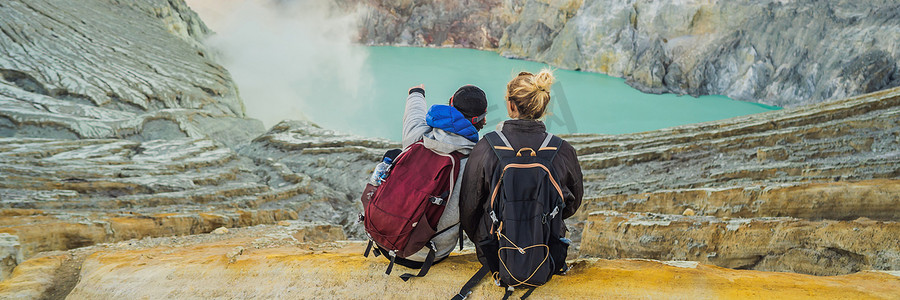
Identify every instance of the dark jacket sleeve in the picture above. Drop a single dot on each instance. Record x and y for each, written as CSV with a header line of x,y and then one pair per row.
x,y
574,181
474,189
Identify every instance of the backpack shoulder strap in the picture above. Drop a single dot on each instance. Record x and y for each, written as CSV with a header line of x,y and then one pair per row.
x,y
403,152
467,288
500,144
550,147
429,260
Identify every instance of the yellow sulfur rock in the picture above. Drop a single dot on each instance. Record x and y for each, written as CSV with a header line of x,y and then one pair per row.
x,y
32,279
341,272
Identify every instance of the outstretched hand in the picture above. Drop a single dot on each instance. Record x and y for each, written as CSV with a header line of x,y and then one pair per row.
x,y
421,86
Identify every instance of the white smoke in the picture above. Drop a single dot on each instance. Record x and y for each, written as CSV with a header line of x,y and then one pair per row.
x,y
288,57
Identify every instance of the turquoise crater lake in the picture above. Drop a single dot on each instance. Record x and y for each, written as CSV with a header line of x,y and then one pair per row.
x,y
581,102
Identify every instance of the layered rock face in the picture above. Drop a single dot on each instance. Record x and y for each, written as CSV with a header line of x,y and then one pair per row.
x,y
103,69
784,53
64,194
832,154
772,244
335,165
829,171
116,123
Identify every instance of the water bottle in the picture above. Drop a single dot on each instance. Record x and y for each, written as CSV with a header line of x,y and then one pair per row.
x,y
380,172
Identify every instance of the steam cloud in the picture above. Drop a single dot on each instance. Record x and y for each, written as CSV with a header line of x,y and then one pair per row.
x,y
288,57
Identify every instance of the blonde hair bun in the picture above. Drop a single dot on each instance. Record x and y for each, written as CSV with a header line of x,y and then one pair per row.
x,y
544,80
530,93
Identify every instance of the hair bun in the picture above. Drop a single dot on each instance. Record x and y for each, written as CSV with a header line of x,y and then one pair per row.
x,y
530,93
544,80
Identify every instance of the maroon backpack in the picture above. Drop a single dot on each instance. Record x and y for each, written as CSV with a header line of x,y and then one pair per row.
x,y
402,213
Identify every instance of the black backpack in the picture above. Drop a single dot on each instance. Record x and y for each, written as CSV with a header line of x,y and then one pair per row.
x,y
526,245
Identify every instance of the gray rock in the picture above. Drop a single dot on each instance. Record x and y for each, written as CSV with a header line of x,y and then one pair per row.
x,y
10,254
103,69
430,23
335,165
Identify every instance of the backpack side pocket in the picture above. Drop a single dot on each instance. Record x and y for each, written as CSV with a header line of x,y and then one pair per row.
x,y
559,248
489,247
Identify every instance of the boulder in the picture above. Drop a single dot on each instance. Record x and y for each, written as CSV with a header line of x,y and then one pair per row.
x,y
10,254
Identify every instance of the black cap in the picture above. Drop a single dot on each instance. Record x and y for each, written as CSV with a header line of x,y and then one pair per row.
x,y
471,102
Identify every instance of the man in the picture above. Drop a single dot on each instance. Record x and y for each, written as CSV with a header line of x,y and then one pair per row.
x,y
445,129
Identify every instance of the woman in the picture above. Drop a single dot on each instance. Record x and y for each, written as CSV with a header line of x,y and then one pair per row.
x,y
527,99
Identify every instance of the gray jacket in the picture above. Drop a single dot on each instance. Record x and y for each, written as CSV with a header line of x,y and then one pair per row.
x,y
414,129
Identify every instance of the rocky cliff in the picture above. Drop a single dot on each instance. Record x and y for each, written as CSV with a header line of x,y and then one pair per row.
x,y
776,52
116,123
106,69
810,185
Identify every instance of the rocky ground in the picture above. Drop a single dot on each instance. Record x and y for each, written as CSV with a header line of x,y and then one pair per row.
x,y
777,52
54,274
302,260
112,181
341,273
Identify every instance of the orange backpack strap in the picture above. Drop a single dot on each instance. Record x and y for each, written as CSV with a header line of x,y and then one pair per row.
x,y
499,144
549,147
